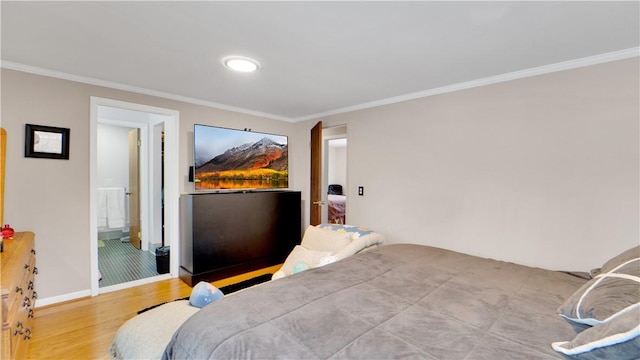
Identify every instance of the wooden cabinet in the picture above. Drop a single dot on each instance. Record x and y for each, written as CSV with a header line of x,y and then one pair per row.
x,y
3,156
227,234
18,294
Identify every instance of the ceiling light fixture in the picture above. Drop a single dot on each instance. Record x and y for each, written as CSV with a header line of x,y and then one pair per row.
x,y
240,63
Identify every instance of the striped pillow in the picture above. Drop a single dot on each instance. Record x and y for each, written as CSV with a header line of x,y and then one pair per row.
x,y
617,339
610,294
625,256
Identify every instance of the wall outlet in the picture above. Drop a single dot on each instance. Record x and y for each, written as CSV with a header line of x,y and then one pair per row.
x,y
361,190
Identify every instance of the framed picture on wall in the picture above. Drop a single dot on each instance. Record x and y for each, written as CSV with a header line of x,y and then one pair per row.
x,y
46,142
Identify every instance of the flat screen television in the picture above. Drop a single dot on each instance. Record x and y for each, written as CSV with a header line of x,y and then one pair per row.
x,y
231,159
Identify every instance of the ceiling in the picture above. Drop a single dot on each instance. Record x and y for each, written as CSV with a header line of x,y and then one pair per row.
x,y
318,58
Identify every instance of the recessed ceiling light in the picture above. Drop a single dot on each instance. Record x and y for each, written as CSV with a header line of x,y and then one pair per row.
x,y
241,63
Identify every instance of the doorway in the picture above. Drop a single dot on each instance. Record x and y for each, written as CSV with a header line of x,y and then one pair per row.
x,y
335,180
334,175
123,255
134,194
329,183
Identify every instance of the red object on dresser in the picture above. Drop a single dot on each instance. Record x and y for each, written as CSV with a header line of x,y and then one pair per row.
x,y
7,232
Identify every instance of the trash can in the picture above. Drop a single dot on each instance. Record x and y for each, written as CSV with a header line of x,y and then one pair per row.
x,y
162,259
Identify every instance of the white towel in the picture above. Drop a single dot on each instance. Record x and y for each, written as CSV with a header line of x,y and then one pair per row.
x,y
102,208
115,208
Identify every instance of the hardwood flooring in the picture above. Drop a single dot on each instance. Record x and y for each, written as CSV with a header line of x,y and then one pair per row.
x,y
84,328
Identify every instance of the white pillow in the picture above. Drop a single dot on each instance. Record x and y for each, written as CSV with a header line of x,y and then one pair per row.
x,y
325,240
310,258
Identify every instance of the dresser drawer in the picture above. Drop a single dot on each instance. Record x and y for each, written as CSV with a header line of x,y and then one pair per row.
x,y
20,331
22,286
18,294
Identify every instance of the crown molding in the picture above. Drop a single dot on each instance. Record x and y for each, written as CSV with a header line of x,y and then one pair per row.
x,y
118,86
540,70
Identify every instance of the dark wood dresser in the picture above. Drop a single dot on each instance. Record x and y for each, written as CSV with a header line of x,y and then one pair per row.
x,y
18,294
232,233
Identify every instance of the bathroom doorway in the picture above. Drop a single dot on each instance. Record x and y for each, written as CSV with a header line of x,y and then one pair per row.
x,y
134,223
123,256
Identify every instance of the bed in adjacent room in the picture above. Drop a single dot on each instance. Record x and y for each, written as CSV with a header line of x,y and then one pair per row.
x,y
337,208
337,204
415,301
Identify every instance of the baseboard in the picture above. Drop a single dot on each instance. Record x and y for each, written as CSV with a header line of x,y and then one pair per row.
x,y
62,298
129,284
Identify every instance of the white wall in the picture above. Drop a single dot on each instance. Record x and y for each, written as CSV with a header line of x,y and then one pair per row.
x,y
542,171
337,170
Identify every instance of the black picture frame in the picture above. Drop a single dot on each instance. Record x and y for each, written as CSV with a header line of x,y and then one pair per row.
x,y
46,142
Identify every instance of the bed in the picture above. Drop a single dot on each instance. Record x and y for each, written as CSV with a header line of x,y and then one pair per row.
x,y
337,207
414,301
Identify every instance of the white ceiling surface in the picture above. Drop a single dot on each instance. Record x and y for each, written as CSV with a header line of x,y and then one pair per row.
x,y
318,58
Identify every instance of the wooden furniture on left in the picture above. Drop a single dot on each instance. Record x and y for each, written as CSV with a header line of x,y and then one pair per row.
x,y
18,294
3,158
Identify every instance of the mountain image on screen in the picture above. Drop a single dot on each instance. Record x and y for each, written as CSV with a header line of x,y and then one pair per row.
x,y
263,164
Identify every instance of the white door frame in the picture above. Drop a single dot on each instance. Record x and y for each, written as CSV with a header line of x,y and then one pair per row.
x,y
171,189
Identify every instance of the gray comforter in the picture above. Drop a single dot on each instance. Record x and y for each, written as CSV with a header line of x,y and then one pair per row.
x,y
398,301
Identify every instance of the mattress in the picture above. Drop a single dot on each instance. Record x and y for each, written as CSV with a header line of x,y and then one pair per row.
x,y
395,301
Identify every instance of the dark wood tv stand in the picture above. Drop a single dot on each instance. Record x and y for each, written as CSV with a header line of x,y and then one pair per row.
x,y
229,233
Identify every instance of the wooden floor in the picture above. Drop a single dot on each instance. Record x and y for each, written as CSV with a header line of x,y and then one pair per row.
x,y
84,328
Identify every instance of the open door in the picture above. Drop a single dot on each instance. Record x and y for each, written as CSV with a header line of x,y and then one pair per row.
x,y
316,175
134,187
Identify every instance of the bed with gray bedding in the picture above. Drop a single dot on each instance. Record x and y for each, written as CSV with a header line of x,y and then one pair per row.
x,y
397,301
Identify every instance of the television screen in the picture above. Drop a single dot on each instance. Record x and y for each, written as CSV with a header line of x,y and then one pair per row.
x,y
238,159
